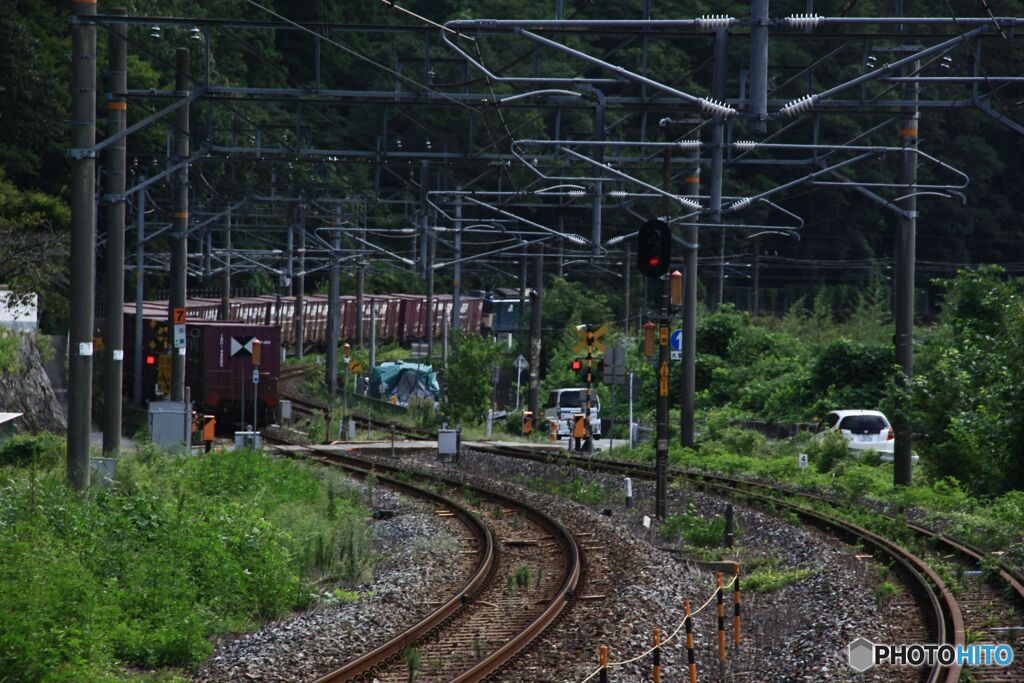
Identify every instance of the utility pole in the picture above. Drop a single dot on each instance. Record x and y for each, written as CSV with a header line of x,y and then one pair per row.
x,y
759,66
717,149
140,259
687,437
117,106
333,324
905,256
628,278
360,291
535,325
225,294
457,272
83,241
300,285
179,227
661,445
428,235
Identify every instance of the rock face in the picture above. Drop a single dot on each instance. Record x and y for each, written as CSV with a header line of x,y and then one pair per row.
x,y
28,391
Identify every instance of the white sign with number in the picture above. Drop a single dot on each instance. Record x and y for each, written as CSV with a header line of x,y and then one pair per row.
x,y
255,376
802,460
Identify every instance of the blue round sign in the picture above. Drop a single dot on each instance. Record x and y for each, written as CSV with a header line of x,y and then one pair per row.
x,y
676,340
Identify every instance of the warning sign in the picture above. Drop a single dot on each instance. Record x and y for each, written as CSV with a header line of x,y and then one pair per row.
x,y
241,346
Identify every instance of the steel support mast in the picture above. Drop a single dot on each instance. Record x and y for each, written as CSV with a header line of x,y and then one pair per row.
x,y
179,223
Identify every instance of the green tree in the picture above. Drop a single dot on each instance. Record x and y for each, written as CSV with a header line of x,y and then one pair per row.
x,y
467,379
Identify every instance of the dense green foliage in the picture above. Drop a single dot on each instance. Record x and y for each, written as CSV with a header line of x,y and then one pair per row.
x,y
176,550
467,379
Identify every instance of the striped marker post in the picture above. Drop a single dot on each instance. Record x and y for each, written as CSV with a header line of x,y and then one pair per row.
x,y
736,618
657,656
720,596
690,659
604,664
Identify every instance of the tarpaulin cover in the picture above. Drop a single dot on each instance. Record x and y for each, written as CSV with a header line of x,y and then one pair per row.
x,y
404,380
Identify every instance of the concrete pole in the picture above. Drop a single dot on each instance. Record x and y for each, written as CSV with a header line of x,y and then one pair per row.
x,y
717,149
690,235
373,333
300,286
457,273
757,280
561,246
333,323
179,242
140,260
117,106
523,275
535,329
83,243
360,294
905,257
428,235
759,66
225,294
628,277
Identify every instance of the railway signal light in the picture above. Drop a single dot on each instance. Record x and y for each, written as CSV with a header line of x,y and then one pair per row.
x,y
654,248
150,360
577,365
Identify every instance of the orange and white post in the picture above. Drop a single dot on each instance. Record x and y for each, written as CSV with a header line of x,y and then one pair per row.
x,y
604,664
656,671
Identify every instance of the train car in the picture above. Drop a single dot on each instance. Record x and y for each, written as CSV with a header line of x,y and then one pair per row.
x,y
218,363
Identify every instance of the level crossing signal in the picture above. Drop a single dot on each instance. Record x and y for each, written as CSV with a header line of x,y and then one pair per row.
x,y
654,248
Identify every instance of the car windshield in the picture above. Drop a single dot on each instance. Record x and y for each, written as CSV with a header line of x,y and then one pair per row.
x,y
864,424
575,399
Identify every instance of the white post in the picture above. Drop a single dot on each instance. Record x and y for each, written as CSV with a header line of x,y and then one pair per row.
x,y
519,374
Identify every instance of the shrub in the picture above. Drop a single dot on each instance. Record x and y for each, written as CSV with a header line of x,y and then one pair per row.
x,y
42,450
828,451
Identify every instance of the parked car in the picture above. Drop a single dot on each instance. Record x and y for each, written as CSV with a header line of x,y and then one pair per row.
x,y
864,430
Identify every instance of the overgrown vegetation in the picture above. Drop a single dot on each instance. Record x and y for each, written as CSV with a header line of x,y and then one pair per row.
x,y
176,550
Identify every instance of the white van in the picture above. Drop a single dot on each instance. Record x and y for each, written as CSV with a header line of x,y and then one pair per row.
x,y
564,403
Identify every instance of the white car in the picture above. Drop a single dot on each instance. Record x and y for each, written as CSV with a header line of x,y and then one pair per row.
x,y
864,430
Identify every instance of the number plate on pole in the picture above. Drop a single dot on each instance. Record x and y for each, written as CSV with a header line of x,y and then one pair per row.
x,y
255,376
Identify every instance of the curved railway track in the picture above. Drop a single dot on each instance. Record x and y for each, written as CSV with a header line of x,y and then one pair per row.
x,y
950,617
493,617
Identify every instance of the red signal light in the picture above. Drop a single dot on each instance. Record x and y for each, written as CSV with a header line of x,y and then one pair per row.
x,y
150,360
577,365
653,261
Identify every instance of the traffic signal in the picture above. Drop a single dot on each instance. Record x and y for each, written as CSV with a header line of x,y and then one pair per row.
x,y
577,365
654,248
150,360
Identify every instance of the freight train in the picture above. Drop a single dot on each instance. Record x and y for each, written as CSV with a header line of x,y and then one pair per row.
x,y
219,364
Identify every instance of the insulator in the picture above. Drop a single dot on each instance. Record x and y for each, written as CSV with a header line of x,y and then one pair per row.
x,y
716,107
803,20
740,204
713,22
799,105
686,201
688,145
617,193
576,193
744,145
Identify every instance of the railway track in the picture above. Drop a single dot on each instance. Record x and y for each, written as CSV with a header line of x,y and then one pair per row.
x,y
528,566
984,607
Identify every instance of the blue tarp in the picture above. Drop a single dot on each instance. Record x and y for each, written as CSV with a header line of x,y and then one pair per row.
x,y
403,381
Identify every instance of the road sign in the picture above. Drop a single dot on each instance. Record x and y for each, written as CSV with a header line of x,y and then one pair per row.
x,y
241,346
677,355
255,376
615,365
178,318
521,363
593,336
355,367
802,461
179,336
676,340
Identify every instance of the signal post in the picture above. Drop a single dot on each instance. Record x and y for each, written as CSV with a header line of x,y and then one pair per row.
x,y
590,341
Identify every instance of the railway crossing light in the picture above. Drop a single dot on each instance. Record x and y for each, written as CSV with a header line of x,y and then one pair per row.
x,y
654,248
649,339
577,365
676,297
150,360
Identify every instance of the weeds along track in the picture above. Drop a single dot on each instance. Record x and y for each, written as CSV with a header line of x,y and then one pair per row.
x,y
963,593
529,566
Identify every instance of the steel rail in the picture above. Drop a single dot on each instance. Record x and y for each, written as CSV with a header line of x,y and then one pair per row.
x,y
938,602
501,657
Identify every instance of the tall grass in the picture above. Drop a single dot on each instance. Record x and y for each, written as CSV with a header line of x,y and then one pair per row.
x,y
177,550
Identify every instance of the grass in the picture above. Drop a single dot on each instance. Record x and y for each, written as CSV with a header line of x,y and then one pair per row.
x,y
692,528
770,578
144,573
